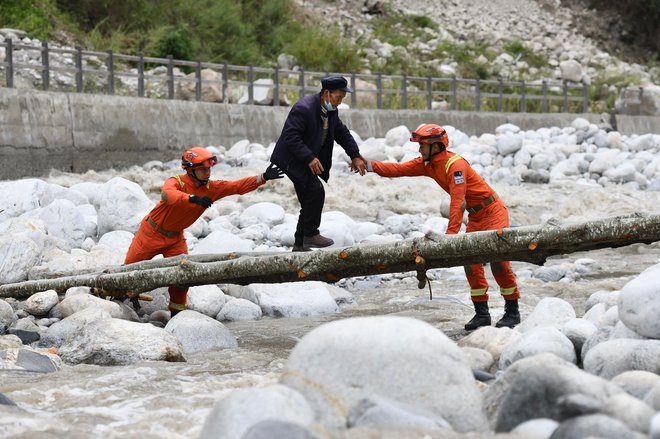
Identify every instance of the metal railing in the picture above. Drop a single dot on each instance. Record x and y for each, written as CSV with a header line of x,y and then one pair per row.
x,y
117,74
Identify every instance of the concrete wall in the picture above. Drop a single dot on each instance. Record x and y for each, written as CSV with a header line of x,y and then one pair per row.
x,y
78,132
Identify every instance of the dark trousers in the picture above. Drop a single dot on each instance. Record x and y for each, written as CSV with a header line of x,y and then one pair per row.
x,y
311,196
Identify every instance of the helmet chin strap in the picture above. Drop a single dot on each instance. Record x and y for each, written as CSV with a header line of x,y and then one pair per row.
x,y
433,154
191,172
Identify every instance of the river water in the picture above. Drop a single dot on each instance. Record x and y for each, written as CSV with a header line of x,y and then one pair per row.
x,y
172,400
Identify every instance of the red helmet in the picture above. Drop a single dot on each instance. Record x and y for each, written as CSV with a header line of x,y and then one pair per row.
x,y
198,157
430,133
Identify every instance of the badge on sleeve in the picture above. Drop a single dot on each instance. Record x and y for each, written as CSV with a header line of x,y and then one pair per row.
x,y
458,177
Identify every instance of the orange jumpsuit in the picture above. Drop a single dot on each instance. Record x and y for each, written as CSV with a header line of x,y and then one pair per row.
x,y
161,231
467,190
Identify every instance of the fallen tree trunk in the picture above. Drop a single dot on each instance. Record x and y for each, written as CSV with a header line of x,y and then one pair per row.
x,y
532,244
153,263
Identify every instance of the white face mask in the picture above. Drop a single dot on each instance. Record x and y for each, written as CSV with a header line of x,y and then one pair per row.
x,y
328,106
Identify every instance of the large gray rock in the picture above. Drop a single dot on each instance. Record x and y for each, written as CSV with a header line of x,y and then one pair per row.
x,y
26,330
294,299
340,363
232,416
614,357
377,410
622,331
160,302
116,194
578,331
18,254
63,221
636,382
30,360
7,316
111,342
531,387
198,332
239,309
211,87
271,429
639,303
550,311
602,334
8,341
40,303
491,339
77,302
596,426
18,197
479,359
536,341
61,331
631,411
541,428
206,299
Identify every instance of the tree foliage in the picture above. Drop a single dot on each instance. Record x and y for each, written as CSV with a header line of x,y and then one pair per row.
x,y
641,20
236,31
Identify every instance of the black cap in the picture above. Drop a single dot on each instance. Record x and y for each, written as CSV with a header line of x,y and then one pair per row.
x,y
336,83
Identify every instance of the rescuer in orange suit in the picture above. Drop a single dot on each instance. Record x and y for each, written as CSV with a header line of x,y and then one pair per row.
x,y
183,200
468,191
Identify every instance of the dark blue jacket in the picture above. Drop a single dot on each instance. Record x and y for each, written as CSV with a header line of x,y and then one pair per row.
x,y
300,140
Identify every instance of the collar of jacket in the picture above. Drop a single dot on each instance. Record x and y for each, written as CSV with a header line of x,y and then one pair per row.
x,y
441,156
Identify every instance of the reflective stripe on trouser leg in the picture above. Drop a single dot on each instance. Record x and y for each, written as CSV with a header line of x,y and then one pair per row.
x,y
178,298
508,293
478,283
479,295
505,279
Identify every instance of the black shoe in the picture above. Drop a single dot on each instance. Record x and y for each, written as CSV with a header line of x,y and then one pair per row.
x,y
301,248
511,315
317,241
481,318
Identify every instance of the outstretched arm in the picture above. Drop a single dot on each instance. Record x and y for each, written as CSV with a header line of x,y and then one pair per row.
x,y
223,188
411,168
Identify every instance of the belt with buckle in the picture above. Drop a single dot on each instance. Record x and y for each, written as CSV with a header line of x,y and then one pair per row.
x,y
160,230
486,202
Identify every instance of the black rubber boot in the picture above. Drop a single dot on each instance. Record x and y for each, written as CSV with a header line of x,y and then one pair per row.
x,y
481,318
511,315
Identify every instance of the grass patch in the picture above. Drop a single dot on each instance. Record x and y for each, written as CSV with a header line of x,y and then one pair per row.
x,y
520,51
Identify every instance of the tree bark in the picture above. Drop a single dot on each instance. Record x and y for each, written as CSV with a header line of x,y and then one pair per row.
x,y
153,263
532,244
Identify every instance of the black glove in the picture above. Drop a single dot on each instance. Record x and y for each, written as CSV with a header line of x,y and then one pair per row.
x,y
273,172
205,202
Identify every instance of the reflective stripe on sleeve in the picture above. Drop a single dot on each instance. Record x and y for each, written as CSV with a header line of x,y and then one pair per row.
x,y
451,162
178,178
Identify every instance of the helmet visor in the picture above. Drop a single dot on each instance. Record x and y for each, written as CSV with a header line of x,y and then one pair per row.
x,y
208,163
414,137
436,137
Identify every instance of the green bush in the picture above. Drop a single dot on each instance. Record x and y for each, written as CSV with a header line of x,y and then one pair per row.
x,y
324,51
175,42
37,18
134,15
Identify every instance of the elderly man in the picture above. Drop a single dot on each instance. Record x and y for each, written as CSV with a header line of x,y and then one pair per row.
x,y
304,152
